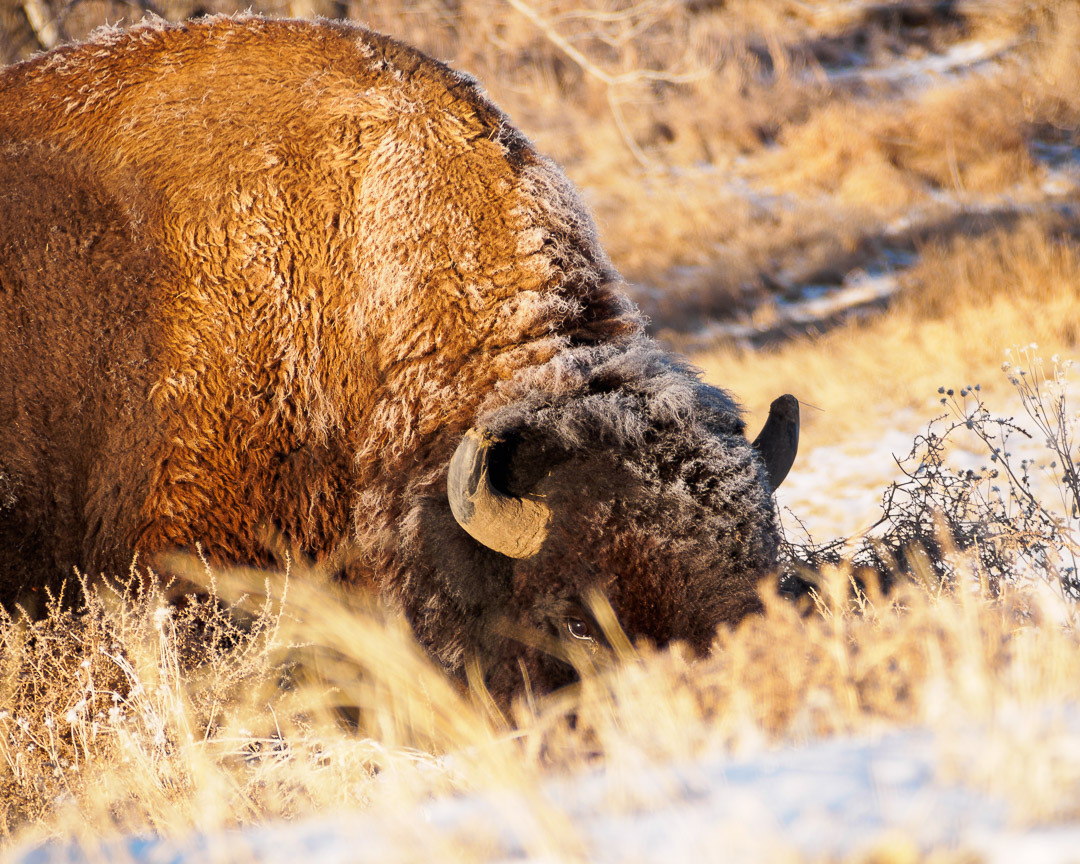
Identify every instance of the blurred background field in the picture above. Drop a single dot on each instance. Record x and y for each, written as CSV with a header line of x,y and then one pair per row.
x,y
856,202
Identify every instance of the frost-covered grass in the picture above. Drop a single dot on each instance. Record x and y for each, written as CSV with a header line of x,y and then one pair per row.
x,y
736,154
958,712
887,798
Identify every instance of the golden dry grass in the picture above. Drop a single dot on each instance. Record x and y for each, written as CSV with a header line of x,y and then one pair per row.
x,y
106,729
962,306
668,113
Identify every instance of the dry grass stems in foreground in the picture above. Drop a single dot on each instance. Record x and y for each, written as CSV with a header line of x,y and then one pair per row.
x,y
110,719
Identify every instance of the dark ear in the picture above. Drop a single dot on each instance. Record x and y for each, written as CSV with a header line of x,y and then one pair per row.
x,y
778,441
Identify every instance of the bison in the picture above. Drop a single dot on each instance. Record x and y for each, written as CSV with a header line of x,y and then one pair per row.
x,y
291,276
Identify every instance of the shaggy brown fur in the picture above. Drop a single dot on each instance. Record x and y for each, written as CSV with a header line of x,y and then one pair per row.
x,y
266,273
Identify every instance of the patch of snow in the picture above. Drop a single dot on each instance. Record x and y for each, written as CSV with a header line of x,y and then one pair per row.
x,y
859,289
925,71
829,799
1061,164
855,473
817,305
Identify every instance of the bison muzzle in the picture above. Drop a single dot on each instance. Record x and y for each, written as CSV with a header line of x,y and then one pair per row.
x,y
296,277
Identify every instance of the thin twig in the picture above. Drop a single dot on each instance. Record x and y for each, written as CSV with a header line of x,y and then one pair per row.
x,y
46,28
590,68
610,81
624,131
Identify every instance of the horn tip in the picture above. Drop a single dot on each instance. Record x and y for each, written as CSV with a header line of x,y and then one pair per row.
x,y
778,441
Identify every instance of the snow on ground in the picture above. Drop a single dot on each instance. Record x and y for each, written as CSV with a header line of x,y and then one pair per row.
x,y
964,57
855,473
830,799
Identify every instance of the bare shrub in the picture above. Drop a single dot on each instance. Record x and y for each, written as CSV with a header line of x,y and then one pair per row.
x,y
944,526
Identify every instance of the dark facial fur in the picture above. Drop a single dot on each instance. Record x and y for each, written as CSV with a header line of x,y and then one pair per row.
x,y
658,504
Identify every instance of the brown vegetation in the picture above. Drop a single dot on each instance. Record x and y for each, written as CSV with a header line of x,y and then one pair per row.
x,y
676,118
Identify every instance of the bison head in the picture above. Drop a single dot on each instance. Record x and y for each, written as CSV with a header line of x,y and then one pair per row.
x,y
642,488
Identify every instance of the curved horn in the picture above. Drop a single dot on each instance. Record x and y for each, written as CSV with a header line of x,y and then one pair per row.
x,y
515,527
778,441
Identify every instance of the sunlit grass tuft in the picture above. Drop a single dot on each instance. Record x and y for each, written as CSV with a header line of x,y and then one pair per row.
x,y
154,751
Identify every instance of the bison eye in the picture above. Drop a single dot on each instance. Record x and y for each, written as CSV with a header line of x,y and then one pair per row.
x,y
579,628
